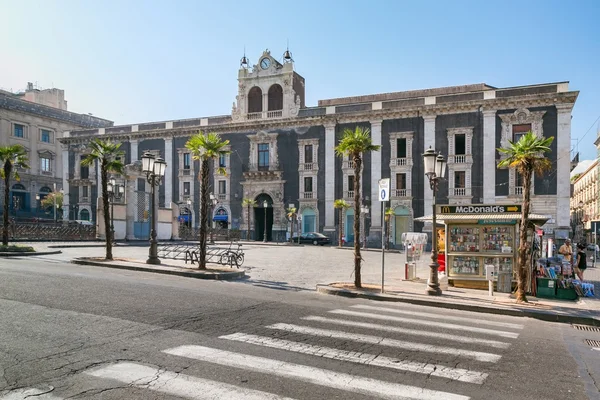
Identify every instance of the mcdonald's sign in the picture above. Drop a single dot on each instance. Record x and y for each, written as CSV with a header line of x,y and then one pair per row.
x,y
479,209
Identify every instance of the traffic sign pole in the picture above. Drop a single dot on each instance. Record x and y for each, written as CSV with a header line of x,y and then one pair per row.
x,y
384,195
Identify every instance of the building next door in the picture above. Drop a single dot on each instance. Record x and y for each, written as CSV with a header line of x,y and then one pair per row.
x,y
259,218
401,223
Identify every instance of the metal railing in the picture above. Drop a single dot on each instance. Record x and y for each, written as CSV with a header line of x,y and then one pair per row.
x,y
51,231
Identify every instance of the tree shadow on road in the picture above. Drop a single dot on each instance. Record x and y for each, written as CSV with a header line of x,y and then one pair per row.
x,y
276,285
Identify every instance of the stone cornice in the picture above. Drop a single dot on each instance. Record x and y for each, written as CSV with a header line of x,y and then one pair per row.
x,y
244,127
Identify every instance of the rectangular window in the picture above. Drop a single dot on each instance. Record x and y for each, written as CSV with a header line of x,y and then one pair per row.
x,y
401,181
519,131
45,164
84,191
186,188
263,156
401,148
222,187
222,163
308,184
19,131
351,182
84,171
187,160
460,145
46,136
308,153
459,179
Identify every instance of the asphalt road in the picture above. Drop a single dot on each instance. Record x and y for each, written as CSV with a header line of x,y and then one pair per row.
x,y
70,331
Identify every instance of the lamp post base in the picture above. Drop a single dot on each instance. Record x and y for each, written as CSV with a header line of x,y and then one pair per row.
x,y
153,260
433,286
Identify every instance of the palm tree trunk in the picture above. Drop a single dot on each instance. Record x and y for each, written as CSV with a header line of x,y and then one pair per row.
x,y
204,199
357,203
248,229
291,229
7,171
341,227
105,208
522,264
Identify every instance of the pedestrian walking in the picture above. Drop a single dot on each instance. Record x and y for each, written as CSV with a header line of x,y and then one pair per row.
x,y
567,251
581,264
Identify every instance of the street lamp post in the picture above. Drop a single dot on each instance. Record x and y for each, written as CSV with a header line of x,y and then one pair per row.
x,y
435,170
265,206
115,192
213,202
154,168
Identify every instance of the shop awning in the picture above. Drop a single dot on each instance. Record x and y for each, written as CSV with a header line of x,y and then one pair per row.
x,y
220,218
535,218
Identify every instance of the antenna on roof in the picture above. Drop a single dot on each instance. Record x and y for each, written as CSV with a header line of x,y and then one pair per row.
x,y
287,56
244,60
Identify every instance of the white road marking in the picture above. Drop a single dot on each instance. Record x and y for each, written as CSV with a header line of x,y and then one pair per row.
x,y
395,329
442,371
381,341
434,324
318,376
439,316
175,384
29,393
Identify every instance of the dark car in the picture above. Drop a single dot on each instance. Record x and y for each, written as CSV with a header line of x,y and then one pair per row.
x,y
315,238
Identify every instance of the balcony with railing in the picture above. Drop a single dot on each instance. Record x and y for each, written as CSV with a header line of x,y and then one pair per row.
x,y
518,190
461,192
222,196
84,199
399,162
268,171
401,193
186,171
45,172
308,166
348,164
307,195
254,115
349,194
264,115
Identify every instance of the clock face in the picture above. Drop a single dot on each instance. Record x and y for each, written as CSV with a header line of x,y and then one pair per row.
x,y
265,62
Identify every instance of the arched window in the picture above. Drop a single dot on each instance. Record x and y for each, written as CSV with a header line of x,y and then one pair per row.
x,y
255,100
84,215
46,190
275,98
18,186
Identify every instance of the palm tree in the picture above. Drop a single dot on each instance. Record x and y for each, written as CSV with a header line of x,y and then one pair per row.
x,y
109,157
206,147
12,158
342,205
354,143
291,214
52,200
250,203
388,227
527,157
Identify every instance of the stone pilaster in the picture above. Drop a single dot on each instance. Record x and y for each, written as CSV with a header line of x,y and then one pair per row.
x,y
169,172
329,177
133,150
428,141
375,176
563,145
65,182
489,157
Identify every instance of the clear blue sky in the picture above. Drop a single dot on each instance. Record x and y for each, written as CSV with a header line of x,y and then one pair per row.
x,y
140,60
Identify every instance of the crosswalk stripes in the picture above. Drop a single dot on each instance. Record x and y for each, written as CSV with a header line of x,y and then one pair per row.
x,y
441,371
352,325
434,324
317,376
175,384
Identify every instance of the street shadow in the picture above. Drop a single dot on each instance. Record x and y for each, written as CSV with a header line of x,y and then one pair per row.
x,y
275,285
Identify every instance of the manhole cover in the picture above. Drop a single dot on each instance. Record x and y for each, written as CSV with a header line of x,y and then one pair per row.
x,y
586,328
593,343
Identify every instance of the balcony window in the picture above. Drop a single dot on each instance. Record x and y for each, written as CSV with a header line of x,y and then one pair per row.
x,y
222,187
263,156
460,144
519,131
187,160
308,184
19,130
186,188
46,136
222,163
84,172
308,153
401,181
45,164
351,182
459,179
401,148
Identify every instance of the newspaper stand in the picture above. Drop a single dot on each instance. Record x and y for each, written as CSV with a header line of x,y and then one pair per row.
x,y
414,244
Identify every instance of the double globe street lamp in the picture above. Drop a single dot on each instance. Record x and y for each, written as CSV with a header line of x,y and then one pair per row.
x,y
265,206
115,192
435,170
154,168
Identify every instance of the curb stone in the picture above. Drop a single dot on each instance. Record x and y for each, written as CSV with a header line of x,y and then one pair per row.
x,y
28,253
536,314
212,275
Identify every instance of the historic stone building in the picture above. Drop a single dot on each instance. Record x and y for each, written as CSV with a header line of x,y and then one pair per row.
x,y
282,152
37,119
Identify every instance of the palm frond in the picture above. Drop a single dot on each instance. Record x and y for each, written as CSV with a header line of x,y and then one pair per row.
x,y
207,146
354,142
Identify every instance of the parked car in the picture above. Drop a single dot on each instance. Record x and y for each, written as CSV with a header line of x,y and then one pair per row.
x,y
315,238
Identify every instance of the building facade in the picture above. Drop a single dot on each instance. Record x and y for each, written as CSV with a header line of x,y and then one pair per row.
x,y
31,119
283,152
584,203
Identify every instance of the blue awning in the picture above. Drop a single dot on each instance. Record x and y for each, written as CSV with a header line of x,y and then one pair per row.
x,y
220,218
184,218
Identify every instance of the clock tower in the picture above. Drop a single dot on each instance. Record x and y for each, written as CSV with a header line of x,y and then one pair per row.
x,y
269,89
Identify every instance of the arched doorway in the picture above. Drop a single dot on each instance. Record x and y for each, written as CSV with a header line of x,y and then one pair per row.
x,y
84,215
221,218
255,100
309,220
349,225
401,223
275,98
263,216
19,198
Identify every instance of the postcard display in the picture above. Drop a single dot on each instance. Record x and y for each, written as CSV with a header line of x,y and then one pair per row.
x,y
470,247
